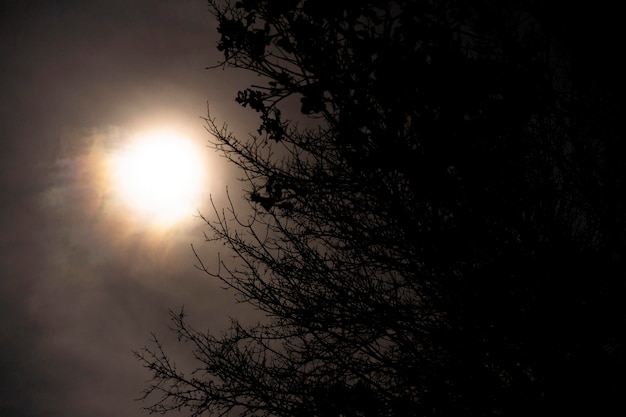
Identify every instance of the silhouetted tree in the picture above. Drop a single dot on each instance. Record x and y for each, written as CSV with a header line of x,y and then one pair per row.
x,y
448,237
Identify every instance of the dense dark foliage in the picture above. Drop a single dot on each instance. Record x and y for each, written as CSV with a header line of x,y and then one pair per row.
x,y
448,237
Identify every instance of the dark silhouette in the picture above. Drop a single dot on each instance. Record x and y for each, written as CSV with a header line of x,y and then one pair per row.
x,y
447,240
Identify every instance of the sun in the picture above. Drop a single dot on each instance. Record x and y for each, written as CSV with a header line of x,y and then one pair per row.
x,y
158,175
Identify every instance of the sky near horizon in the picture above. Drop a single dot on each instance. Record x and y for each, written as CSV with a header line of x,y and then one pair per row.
x,y
85,276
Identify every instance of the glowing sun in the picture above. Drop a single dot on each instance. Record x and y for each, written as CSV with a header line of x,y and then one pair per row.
x,y
159,175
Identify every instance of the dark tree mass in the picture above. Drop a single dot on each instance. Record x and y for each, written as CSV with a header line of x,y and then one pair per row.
x,y
437,190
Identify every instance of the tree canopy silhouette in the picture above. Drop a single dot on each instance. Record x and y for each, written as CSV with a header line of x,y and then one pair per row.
x,y
445,236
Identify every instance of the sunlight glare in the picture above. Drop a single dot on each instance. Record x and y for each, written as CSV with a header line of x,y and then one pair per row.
x,y
159,175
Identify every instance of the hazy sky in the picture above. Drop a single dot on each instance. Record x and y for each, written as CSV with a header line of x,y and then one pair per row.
x,y
84,279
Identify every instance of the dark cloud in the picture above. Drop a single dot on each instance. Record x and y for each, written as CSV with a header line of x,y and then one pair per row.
x,y
82,284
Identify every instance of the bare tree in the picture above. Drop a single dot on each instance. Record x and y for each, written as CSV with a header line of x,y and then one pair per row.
x,y
432,246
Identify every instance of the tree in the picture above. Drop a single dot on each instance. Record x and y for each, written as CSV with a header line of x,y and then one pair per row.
x,y
446,240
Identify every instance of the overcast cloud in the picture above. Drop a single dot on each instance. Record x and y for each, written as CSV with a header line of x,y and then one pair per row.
x,y
82,282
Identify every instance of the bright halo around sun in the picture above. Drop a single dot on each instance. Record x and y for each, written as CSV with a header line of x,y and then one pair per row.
x,y
159,175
